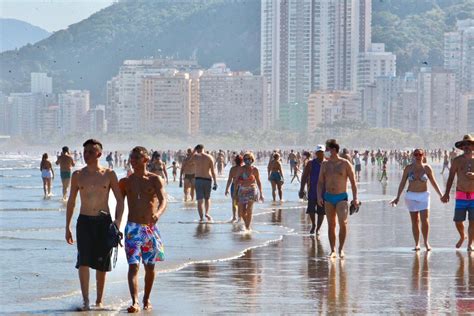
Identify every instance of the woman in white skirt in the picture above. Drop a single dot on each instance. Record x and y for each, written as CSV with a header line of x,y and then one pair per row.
x,y
417,197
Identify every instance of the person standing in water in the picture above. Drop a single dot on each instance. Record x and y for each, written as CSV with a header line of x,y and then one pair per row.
x,y
417,197
146,203
333,177
310,179
93,183
463,167
47,174
275,176
66,163
249,188
205,175
232,184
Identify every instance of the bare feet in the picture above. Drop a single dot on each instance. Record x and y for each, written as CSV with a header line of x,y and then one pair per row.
x,y
460,242
147,306
313,228
341,254
85,307
135,308
332,254
209,218
428,247
417,248
99,305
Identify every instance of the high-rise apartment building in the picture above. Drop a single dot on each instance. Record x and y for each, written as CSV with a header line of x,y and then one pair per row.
x,y
327,107
309,45
466,121
365,25
124,90
73,108
231,101
376,62
437,109
166,102
41,83
459,54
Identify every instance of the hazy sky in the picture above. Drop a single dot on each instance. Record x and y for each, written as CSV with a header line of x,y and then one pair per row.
x,y
51,15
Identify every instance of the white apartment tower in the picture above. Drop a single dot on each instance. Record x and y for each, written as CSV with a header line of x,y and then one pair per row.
x,y
41,83
309,45
231,101
374,63
166,103
437,109
459,54
73,108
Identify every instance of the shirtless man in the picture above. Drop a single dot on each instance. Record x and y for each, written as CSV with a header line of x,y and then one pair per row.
x,y
146,203
188,169
333,178
205,174
463,167
65,162
93,183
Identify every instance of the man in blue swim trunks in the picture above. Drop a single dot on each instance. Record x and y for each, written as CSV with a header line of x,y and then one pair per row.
x,y
333,178
66,163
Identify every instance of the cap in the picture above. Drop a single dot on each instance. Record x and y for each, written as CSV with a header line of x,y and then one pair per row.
x,y
320,148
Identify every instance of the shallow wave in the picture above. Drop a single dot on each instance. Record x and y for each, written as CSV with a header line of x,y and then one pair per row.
x,y
11,209
21,187
15,176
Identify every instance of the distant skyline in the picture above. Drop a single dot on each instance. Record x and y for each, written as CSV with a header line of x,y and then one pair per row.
x,y
51,15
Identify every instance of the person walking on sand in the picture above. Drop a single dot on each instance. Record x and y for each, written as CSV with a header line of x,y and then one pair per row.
x,y
417,197
47,175
146,203
333,177
249,188
232,184
275,176
310,179
186,176
66,163
204,176
93,183
463,167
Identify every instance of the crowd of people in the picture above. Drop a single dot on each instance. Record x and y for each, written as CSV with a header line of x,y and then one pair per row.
x,y
323,175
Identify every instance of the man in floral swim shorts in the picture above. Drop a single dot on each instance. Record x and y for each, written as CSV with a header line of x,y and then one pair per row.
x,y
146,203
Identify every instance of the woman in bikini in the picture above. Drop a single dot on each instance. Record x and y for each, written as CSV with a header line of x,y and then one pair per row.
x,y
47,174
275,176
417,197
157,166
249,188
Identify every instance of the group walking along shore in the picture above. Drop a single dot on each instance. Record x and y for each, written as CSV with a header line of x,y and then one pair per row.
x,y
324,182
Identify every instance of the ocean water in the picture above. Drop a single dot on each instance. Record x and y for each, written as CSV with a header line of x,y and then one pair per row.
x,y
215,269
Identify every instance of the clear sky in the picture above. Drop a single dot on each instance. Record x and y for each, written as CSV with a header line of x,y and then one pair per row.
x,y
51,15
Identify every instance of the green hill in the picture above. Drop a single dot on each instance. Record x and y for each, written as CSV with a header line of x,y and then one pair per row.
x,y
88,53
